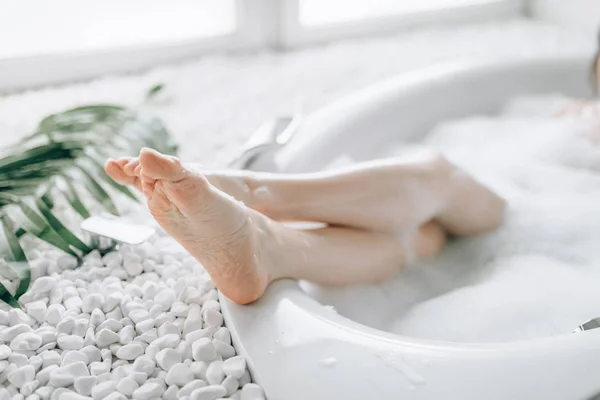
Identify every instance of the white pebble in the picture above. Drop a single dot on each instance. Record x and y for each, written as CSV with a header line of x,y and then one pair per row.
x,y
166,358
99,368
214,373
84,384
213,317
127,386
130,351
133,268
21,375
91,302
72,356
252,391
190,387
8,334
167,341
106,337
204,350
42,285
144,364
16,316
65,376
103,389
50,358
148,390
65,326
211,392
116,396
28,388
37,309
165,298
66,262
223,335
224,349
18,359
139,315
193,321
231,384
126,334
5,352
44,375
179,374
70,342
235,366
54,314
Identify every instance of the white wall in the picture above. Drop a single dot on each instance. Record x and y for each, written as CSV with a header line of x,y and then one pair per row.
x,y
584,14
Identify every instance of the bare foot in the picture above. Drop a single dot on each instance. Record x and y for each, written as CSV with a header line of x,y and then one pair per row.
x,y
224,235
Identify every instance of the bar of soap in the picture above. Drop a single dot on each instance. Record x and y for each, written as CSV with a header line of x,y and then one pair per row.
x,y
117,229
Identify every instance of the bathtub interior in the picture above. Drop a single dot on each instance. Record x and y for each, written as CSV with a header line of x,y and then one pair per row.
x,y
292,320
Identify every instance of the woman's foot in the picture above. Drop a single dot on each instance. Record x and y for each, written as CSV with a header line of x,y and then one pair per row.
x,y
224,235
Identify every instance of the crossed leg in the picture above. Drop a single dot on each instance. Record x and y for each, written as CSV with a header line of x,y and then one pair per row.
x,y
243,249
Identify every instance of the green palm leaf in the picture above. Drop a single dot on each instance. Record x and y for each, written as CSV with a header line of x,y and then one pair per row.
x,y
64,159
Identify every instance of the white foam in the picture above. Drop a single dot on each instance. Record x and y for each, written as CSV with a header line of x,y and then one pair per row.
x,y
538,274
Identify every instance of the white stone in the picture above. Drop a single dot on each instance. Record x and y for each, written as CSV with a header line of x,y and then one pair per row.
x,y
99,368
211,392
91,302
16,316
139,377
126,334
103,389
139,315
130,351
204,350
26,341
66,262
144,364
165,299
179,374
42,285
111,324
37,309
54,314
21,375
224,349
50,358
70,342
251,391
193,321
106,337
28,388
127,386
149,336
133,268
199,368
92,353
8,334
72,396
148,390
166,358
18,358
231,384
116,396
44,375
172,393
223,335
81,325
65,326
235,366
36,362
170,341
144,326
97,317
5,352
84,384
213,317
72,356
65,376
214,372
190,387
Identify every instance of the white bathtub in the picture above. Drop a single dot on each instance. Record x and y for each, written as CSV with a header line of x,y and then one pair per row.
x,y
287,334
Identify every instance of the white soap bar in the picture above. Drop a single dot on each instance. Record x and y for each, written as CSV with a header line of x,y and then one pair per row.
x,y
117,229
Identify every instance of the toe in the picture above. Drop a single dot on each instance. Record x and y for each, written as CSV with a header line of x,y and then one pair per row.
x,y
155,165
116,170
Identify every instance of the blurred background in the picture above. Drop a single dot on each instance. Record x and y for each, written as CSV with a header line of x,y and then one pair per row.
x,y
229,65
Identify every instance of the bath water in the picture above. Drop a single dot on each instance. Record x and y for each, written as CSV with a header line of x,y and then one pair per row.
x,y
536,276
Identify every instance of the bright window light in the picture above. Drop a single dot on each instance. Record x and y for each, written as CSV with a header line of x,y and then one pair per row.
x,y
325,12
35,27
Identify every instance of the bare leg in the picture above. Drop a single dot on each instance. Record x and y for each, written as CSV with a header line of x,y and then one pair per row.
x,y
391,195
243,250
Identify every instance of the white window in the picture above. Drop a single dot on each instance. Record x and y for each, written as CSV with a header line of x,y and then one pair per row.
x,y
52,41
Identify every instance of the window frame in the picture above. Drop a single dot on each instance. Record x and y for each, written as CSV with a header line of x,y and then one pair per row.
x,y
260,24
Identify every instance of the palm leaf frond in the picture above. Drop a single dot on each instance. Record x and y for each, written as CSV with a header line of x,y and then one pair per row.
x,y
64,159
